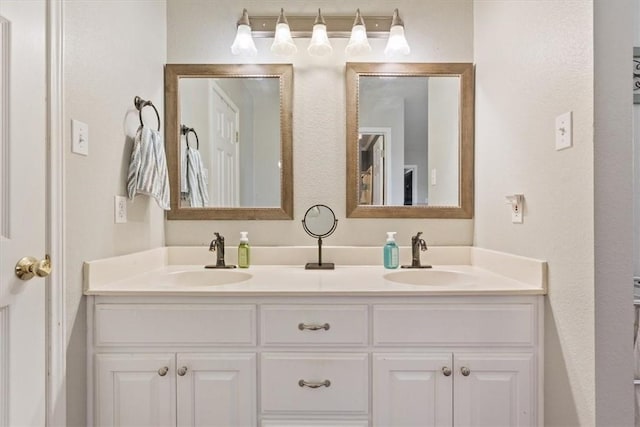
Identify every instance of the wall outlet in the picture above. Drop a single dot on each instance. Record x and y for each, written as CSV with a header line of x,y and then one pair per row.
x,y
79,138
120,209
516,202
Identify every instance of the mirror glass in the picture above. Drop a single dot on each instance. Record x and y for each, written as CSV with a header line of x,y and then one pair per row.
x,y
410,140
237,121
319,221
228,133
408,131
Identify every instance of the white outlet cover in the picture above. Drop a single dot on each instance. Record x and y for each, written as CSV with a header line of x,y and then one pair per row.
x,y
120,209
564,131
79,137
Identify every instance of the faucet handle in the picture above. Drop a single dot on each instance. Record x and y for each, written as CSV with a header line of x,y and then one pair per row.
x,y
215,242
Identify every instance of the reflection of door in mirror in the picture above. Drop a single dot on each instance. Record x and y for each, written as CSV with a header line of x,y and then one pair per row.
x,y
224,156
373,165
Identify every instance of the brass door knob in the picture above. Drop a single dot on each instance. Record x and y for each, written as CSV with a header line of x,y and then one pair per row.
x,y
29,266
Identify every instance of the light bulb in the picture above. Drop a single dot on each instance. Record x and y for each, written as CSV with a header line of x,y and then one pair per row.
x,y
319,45
243,43
397,44
283,42
358,43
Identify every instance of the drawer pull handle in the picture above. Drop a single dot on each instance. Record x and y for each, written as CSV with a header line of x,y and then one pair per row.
x,y
465,371
303,383
446,371
182,371
163,371
313,327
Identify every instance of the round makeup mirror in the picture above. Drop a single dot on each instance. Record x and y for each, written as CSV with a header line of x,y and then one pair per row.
x,y
319,221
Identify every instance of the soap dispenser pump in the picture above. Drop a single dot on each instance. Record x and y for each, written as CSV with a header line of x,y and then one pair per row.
x,y
391,252
243,250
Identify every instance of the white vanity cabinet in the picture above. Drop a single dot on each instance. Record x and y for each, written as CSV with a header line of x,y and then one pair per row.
x,y
153,364
484,372
325,361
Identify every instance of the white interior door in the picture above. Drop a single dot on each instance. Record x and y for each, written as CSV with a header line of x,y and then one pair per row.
x,y
225,162
22,210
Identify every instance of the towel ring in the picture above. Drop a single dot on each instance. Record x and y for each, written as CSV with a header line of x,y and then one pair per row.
x,y
185,131
140,104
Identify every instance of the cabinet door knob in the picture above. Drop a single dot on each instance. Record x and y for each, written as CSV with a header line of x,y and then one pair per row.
x,y
465,371
313,327
182,371
163,371
310,384
446,371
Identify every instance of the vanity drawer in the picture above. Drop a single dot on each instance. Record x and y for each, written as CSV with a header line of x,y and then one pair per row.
x,y
344,375
174,324
451,324
314,324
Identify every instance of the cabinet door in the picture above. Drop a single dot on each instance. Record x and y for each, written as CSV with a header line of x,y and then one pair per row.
x,y
135,390
216,389
494,390
412,390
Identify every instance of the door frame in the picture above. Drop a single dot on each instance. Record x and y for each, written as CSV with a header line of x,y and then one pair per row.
x,y
56,358
386,133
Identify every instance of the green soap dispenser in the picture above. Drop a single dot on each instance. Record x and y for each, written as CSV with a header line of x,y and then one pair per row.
x,y
391,252
243,250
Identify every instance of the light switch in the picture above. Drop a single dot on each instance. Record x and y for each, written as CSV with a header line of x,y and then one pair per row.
x,y
79,137
564,131
433,176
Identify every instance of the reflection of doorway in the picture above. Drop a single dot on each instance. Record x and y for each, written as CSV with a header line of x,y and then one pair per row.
x,y
410,185
374,161
224,175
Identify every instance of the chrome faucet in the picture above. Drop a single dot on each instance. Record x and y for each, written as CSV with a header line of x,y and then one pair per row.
x,y
217,245
417,245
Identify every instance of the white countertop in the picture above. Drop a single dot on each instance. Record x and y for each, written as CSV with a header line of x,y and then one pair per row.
x,y
164,271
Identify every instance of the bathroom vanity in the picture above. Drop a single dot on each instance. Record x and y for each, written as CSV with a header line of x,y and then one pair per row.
x,y
273,345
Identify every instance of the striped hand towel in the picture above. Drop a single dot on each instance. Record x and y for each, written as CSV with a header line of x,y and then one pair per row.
x,y
194,179
148,167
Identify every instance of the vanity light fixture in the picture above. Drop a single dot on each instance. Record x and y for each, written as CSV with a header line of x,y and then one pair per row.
x,y
358,42
320,29
397,44
243,43
319,45
282,42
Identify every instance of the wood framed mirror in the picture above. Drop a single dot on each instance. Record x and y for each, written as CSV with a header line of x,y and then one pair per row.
x,y
410,133
228,130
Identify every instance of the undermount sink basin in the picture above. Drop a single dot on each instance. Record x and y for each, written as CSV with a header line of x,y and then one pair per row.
x,y
209,277
426,277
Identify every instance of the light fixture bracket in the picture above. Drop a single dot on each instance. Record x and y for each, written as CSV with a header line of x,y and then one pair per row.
x,y
337,26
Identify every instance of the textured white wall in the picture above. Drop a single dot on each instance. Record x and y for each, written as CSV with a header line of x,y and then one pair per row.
x,y
113,51
202,32
534,61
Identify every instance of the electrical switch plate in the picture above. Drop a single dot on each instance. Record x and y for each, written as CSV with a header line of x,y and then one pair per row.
x,y
120,209
564,131
79,137
433,176
517,206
